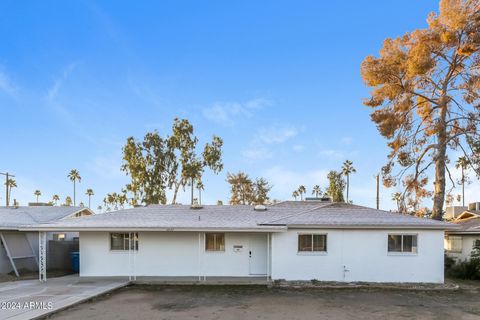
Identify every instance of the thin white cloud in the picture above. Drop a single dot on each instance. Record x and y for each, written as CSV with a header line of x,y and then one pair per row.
x,y
347,140
335,154
260,147
107,166
6,85
298,147
147,93
257,153
54,90
331,154
285,180
226,113
274,135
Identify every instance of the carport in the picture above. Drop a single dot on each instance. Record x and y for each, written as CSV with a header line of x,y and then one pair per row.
x,y
30,299
26,248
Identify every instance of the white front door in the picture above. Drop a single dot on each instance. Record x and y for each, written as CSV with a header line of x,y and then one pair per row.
x,y
258,254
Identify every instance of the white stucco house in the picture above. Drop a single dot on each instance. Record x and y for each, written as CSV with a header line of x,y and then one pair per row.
x,y
19,249
291,240
459,242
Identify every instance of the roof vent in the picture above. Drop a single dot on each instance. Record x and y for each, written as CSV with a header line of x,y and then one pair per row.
x,y
196,206
260,207
322,199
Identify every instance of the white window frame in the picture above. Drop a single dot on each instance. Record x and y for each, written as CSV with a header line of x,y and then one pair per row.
x,y
136,246
312,253
224,242
449,247
403,253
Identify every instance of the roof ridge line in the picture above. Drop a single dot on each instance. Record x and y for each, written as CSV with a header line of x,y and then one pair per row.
x,y
35,220
298,213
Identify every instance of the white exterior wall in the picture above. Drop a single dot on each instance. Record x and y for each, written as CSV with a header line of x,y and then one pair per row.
x,y
363,253
467,247
164,254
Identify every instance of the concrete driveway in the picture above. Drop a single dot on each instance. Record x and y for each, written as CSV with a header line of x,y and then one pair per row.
x,y
30,299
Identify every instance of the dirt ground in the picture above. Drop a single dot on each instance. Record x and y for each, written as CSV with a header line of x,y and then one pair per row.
x,y
257,302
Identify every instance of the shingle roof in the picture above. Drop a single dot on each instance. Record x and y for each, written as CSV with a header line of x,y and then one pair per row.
x,y
15,217
301,204
178,217
226,217
344,214
471,225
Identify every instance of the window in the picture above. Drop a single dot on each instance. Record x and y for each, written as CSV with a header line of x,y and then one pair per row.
x,y
119,241
454,243
402,243
215,241
312,243
59,236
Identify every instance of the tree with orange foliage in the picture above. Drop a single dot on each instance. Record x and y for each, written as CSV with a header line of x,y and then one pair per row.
x,y
426,98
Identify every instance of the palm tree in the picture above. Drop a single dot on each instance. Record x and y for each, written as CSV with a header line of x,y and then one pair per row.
x,y
301,191
68,201
295,194
55,198
462,163
11,183
74,176
347,170
99,208
37,194
316,190
200,188
89,193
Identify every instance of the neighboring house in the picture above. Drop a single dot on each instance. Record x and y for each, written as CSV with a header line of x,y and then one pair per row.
x,y
19,249
292,240
459,242
452,212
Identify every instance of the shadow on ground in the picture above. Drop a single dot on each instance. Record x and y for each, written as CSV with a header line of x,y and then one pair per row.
x,y
260,302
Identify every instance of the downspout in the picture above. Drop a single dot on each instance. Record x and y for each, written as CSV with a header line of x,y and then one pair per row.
x,y
268,256
134,258
199,257
129,257
203,260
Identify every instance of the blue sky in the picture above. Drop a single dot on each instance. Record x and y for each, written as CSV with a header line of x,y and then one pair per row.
x,y
279,81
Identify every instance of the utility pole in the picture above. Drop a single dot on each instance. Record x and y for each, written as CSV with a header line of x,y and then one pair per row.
x,y
7,175
378,191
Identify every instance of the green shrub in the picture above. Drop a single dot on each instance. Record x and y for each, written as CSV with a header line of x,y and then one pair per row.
x,y
449,262
467,269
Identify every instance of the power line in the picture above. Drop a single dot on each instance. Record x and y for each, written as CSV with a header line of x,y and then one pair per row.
x,y
7,178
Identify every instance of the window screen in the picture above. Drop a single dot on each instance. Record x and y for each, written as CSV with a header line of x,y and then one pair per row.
x,y
312,242
402,243
215,241
119,241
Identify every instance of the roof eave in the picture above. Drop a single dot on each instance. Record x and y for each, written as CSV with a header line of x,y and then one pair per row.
x,y
163,229
366,226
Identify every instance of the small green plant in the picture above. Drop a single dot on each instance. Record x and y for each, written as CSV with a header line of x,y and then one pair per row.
x,y
449,262
314,281
467,269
